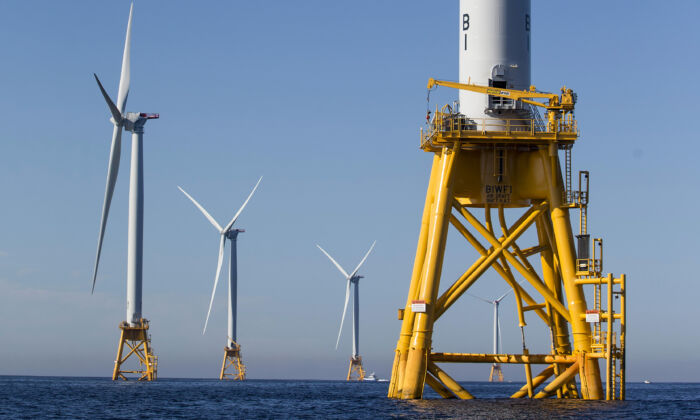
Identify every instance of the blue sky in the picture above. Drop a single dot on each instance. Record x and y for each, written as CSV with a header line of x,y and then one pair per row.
x,y
325,100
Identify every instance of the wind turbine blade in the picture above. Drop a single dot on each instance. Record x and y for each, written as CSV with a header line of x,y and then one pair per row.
x,y
125,78
228,227
480,298
363,259
508,292
116,113
345,309
216,279
504,295
333,261
112,172
115,151
199,206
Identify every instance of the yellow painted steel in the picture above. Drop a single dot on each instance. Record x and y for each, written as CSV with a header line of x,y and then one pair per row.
x,y
137,340
502,164
419,343
556,103
407,316
560,381
450,383
233,361
438,387
541,359
537,381
496,373
355,371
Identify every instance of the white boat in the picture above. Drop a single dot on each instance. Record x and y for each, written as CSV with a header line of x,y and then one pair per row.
x,y
370,378
647,381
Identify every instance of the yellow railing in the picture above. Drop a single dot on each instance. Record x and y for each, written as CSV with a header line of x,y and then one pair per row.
x,y
589,266
445,121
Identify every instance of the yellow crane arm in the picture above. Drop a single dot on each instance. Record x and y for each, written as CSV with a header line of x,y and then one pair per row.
x,y
555,102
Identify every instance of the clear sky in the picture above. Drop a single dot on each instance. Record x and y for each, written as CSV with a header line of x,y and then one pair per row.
x,y
325,100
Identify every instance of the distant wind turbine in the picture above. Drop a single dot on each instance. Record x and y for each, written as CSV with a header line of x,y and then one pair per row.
x,y
352,279
232,347
496,367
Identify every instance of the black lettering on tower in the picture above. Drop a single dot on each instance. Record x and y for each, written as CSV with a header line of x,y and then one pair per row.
x,y
465,27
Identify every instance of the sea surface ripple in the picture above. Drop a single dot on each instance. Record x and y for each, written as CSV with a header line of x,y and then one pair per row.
x,y
88,398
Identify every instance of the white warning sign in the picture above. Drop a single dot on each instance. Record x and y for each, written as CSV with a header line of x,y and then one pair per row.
x,y
418,306
592,316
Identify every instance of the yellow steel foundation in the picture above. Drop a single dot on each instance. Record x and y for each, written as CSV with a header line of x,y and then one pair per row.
x,y
136,340
496,373
232,366
355,371
492,166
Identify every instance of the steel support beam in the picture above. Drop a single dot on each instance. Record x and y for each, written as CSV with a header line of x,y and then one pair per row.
x,y
535,359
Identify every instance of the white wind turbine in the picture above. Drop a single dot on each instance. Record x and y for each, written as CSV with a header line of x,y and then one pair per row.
x,y
133,122
231,234
352,279
496,367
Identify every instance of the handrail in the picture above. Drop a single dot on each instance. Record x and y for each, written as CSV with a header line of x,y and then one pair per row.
x,y
446,122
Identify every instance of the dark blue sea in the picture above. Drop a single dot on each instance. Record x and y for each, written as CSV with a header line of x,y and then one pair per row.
x,y
90,398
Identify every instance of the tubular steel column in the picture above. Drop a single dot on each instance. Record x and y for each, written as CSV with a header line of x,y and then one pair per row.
x,y
401,353
591,385
356,320
232,352
232,289
134,280
550,275
623,332
420,344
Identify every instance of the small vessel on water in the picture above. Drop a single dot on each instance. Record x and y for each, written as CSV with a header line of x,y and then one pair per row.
x,y
647,381
373,378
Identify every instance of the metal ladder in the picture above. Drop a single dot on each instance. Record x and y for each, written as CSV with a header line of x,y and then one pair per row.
x,y
537,118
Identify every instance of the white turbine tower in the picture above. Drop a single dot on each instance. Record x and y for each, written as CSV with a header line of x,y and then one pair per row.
x,y
496,367
135,328
354,280
232,355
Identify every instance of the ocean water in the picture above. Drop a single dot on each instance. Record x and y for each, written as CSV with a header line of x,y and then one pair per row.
x,y
90,398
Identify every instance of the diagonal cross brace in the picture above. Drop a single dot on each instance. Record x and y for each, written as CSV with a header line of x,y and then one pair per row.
x,y
533,279
499,247
461,285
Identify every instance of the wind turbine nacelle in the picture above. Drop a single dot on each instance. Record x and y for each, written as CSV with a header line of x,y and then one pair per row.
x,y
136,120
135,116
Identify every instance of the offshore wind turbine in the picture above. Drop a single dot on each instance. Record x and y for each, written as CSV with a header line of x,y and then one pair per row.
x,y
496,367
134,331
232,351
352,279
